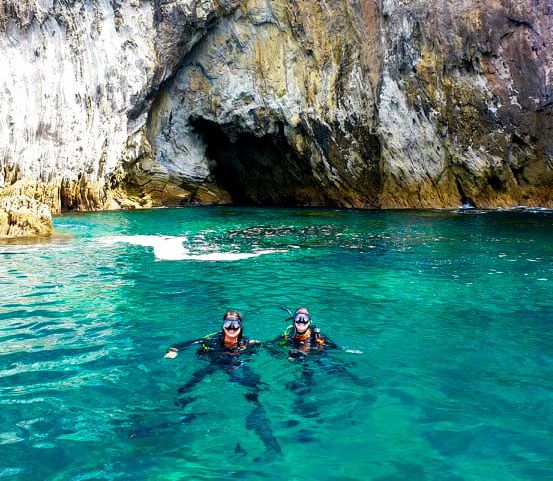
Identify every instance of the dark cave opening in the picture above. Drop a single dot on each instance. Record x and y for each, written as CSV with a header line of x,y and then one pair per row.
x,y
465,200
496,183
258,170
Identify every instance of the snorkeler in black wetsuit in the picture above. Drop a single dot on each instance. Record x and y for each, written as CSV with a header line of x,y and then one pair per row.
x,y
227,351
306,345
302,338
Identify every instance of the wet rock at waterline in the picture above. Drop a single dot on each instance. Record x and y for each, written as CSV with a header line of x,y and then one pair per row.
x,y
23,216
354,103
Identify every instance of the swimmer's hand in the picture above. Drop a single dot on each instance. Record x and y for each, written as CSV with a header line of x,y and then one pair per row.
x,y
171,353
253,342
353,351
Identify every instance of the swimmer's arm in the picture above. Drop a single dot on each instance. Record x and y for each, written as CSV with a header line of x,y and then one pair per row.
x,y
173,350
324,341
332,345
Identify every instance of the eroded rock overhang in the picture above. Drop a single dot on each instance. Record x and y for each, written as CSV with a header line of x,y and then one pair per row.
x,y
365,104
352,103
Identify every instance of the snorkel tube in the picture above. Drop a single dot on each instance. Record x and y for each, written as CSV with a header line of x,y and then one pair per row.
x,y
290,313
289,328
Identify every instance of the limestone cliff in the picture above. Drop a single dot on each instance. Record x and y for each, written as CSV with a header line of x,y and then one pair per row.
x,y
365,103
78,79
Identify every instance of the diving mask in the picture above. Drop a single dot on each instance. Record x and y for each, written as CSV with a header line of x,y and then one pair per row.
x,y
232,324
302,318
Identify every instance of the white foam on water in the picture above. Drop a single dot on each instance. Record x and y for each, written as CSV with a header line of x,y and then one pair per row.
x,y
171,248
165,248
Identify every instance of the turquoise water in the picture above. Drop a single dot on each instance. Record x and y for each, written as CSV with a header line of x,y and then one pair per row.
x,y
452,313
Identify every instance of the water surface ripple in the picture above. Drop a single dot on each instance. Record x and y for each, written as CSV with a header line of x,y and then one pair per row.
x,y
452,313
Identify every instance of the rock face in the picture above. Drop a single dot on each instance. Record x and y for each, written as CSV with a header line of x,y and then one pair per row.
x,y
23,216
466,107
78,79
354,103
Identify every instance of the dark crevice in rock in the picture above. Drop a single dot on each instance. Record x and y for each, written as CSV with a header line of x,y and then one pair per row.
x,y
496,183
465,200
519,141
519,22
256,170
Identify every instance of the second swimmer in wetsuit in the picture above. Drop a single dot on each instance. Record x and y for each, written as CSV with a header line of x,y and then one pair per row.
x,y
228,351
307,346
303,337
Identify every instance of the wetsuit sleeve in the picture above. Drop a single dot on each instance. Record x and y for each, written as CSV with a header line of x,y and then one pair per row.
x,y
328,343
181,346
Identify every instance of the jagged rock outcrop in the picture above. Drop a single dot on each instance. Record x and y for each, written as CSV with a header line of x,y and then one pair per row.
x,y
278,105
364,103
466,107
23,216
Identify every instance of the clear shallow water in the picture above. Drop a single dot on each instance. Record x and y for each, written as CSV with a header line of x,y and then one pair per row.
x,y
453,313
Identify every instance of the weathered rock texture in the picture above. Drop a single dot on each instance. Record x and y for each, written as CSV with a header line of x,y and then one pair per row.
x,y
466,103
23,216
388,103
77,81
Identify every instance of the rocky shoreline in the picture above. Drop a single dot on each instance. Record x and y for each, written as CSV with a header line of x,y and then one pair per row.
x,y
356,103
22,216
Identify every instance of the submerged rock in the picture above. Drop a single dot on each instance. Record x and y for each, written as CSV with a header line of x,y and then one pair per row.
x,y
354,103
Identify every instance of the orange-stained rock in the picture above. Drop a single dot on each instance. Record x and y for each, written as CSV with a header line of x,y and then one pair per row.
x,y
23,216
350,103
